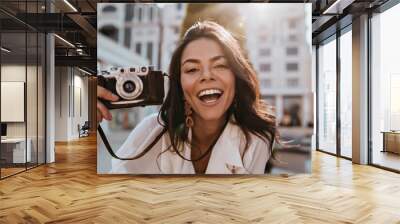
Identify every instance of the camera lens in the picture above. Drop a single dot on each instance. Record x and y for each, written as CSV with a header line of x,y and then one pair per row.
x,y
129,86
144,69
122,70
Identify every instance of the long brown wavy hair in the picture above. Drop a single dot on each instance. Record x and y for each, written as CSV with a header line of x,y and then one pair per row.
x,y
251,114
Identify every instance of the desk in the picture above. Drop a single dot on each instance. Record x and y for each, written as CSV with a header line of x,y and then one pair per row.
x,y
391,141
13,150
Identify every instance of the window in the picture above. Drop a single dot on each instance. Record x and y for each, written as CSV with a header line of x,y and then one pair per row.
x,y
151,14
265,83
127,38
346,94
140,14
385,88
292,67
150,52
292,37
138,48
291,51
110,31
263,38
292,82
292,23
265,52
292,111
130,12
109,8
270,100
327,97
265,67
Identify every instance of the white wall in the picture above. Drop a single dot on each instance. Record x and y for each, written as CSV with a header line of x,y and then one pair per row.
x,y
69,82
79,117
14,73
17,73
61,103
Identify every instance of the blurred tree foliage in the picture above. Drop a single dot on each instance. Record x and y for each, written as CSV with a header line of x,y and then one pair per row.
x,y
224,14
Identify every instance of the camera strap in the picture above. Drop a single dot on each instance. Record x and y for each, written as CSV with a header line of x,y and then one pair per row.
x,y
109,149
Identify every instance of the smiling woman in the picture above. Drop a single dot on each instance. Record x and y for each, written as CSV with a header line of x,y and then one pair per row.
x,y
212,120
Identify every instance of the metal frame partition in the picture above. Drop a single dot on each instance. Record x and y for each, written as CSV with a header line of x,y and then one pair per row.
x,y
318,89
338,33
36,63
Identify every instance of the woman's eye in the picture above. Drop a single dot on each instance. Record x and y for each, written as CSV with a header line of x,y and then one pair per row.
x,y
192,70
221,66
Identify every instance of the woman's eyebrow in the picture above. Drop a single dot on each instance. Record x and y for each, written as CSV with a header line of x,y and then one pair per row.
x,y
190,60
215,58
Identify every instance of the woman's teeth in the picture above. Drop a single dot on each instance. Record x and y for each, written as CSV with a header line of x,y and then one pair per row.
x,y
209,92
210,95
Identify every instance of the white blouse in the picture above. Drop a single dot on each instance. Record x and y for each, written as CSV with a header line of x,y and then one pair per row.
x,y
225,156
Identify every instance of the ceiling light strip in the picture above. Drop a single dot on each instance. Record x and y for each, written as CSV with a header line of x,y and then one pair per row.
x,y
337,7
70,5
86,72
5,49
65,41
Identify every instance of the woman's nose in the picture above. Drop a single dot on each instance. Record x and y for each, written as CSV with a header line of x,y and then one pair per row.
x,y
206,74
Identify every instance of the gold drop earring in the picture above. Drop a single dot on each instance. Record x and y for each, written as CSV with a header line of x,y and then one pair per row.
x,y
188,114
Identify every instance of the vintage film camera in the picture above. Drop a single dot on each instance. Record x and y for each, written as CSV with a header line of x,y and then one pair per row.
x,y
135,86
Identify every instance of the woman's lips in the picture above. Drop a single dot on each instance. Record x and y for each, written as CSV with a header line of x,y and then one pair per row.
x,y
210,91
211,102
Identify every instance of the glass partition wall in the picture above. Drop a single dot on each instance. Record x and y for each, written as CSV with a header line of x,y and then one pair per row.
x,y
334,104
385,89
346,93
22,77
327,96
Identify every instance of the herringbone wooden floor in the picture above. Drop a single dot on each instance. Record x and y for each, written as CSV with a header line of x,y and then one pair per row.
x,y
70,191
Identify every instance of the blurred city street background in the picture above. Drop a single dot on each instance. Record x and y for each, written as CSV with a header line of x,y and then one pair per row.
x,y
275,37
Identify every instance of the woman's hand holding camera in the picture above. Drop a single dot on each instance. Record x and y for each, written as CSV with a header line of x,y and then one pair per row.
x,y
102,110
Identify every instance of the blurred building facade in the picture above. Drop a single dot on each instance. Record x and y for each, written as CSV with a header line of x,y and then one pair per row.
x,y
281,54
111,50
137,35
148,32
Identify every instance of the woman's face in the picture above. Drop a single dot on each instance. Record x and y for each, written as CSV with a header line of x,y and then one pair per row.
x,y
207,81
